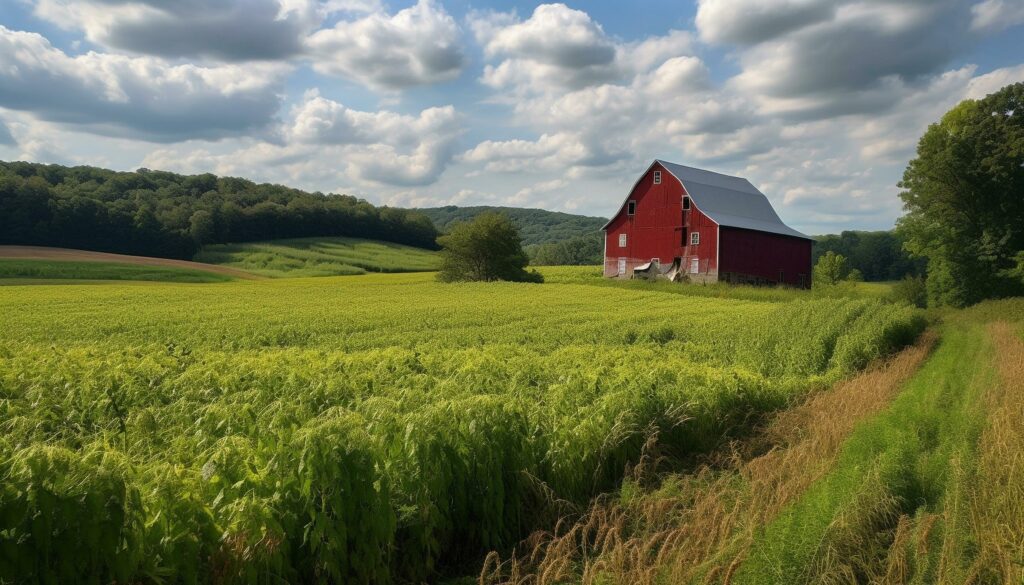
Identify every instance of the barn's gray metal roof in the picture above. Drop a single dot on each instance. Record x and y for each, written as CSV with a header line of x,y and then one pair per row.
x,y
728,201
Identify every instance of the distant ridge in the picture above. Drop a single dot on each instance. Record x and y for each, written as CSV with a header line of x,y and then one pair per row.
x,y
536,226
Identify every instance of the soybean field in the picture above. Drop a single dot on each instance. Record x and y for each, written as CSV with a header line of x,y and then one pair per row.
x,y
374,428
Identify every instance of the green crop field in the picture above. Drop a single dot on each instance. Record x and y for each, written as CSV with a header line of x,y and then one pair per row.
x,y
17,271
368,429
320,257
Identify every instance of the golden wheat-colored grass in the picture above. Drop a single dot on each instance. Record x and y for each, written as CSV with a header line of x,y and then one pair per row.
x,y
698,527
997,506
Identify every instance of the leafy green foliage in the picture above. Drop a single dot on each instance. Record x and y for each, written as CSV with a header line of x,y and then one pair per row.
x,y
367,429
830,270
69,270
910,290
879,256
963,199
485,249
156,213
578,251
320,257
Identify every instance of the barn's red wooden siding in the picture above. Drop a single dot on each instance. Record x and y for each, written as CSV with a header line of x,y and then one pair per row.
x,y
763,255
655,231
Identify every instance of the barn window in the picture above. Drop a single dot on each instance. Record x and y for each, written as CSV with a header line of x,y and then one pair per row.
x,y
622,266
682,239
657,177
631,208
686,202
695,238
622,240
694,266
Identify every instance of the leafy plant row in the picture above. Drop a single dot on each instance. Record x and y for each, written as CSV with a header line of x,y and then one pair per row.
x,y
158,462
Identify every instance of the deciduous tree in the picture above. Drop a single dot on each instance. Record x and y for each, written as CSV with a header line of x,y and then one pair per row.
x,y
485,249
964,197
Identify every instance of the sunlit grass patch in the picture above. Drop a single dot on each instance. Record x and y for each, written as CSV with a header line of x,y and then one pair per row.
x,y
17,271
302,257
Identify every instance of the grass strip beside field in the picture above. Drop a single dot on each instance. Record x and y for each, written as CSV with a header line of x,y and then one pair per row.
x,y
335,256
694,526
929,491
22,271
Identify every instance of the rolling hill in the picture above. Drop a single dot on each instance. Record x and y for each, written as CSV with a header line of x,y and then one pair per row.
x,y
25,263
320,257
536,226
168,215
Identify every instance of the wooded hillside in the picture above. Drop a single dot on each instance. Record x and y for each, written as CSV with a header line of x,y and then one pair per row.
x,y
157,213
549,237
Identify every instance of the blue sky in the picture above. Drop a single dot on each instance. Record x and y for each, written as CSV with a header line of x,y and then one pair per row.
x,y
818,102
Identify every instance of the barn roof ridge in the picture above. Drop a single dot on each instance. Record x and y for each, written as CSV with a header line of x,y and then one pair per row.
x,y
728,200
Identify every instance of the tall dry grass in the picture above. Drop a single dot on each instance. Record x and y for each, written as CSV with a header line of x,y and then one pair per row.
x,y
995,508
698,527
977,536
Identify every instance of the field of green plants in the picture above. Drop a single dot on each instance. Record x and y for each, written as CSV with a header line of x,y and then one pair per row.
x,y
17,271
368,429
301,257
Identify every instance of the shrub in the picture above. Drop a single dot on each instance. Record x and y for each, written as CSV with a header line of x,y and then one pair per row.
x,y
911,290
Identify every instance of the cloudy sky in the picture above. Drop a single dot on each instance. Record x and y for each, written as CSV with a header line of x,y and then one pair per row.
x,y
818,102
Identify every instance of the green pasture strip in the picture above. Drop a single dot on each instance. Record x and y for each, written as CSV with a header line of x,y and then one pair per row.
x,y
369,428
31,271
878,290
591,275
306,257
909,460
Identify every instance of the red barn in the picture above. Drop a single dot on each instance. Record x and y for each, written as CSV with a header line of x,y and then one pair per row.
x,y
708,226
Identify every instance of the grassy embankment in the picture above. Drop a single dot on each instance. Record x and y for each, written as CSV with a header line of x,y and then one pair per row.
x,y
320,257
37,271
893,477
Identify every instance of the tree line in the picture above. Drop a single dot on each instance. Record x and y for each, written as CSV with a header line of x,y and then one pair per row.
x,y
876,256
158,213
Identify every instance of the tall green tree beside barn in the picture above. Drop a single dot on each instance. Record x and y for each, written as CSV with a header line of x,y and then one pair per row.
x,y
964,197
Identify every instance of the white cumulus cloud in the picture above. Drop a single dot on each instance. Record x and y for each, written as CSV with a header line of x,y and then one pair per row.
x,y
228,30
415,46
143,97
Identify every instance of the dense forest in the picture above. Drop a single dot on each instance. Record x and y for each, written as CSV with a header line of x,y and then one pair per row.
x,y
877,255
157,213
